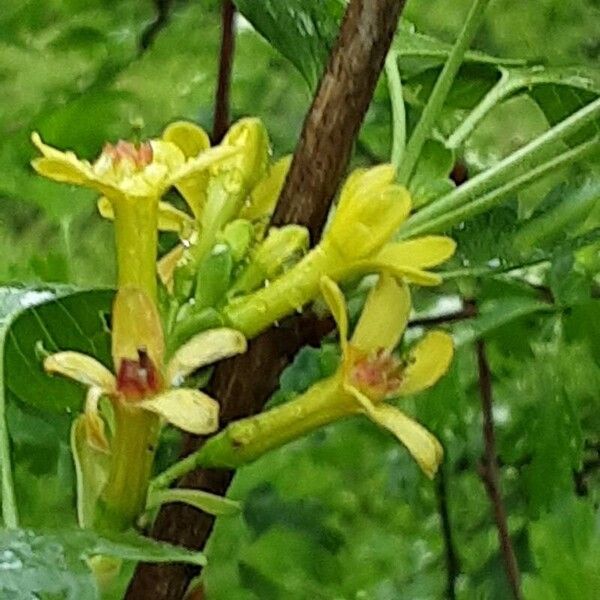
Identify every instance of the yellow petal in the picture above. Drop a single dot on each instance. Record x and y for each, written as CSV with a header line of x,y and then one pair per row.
x,y
94,424
422,252
81,368
202,161
250,136
384,316
67,168
428,361
337,305
136,326
91,471
410,274
204,349
367,220
167,154
166,265
190,138
189,410
364,181
169,217
423,445
265,194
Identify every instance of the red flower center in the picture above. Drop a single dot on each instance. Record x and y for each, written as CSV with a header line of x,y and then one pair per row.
x,y
139,155
378,374
139,378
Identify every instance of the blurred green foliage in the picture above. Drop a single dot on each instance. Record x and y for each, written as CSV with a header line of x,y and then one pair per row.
x,y
344,513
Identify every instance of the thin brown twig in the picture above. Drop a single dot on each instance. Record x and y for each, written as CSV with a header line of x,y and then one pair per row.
x,y
467,312
490,473
222,104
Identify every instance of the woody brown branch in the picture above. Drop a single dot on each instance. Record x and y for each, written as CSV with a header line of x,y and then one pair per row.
x,y
244,384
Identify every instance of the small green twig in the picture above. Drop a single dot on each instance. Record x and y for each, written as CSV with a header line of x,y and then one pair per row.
x,y
10,514
398,109
440,91
501,90
455,213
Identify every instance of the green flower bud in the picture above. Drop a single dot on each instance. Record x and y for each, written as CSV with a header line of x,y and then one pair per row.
x,y
281,249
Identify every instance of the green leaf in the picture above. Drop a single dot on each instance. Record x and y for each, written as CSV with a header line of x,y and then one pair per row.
x,y
566,549
69,321
52,564
33,320
302,30
430,179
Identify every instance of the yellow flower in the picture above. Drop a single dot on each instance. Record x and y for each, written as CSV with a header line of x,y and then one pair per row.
x,y
370,374
370,211
142,380
144,170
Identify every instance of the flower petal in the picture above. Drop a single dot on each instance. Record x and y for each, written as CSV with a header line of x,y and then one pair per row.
x,y
67,168
190,138
337,305
189,410
166,265
81,368
94,424
428,362
204,349
169,217
410,274
384,316
263,197
423,252
366,220
423,445
203,161
91,471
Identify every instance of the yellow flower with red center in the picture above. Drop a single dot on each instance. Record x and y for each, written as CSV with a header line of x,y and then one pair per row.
x,y
371,374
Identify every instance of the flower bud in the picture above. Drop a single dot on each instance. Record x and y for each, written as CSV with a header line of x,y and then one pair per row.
x,y
370,210
281,249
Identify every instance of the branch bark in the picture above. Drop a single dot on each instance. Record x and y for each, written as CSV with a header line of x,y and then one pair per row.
x,y
221,118
491,476
318,166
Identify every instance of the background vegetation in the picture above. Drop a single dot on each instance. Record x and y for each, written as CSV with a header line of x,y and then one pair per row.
x,y
343,513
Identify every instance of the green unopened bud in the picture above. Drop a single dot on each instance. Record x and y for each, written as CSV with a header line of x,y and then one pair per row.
x,y
238,236
280,250
214,276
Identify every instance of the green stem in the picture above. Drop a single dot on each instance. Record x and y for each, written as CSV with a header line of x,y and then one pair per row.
x,y
525,158
256,312
398,108
246,440
487,201
440,91
501,90
132,454
136,431
10,515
